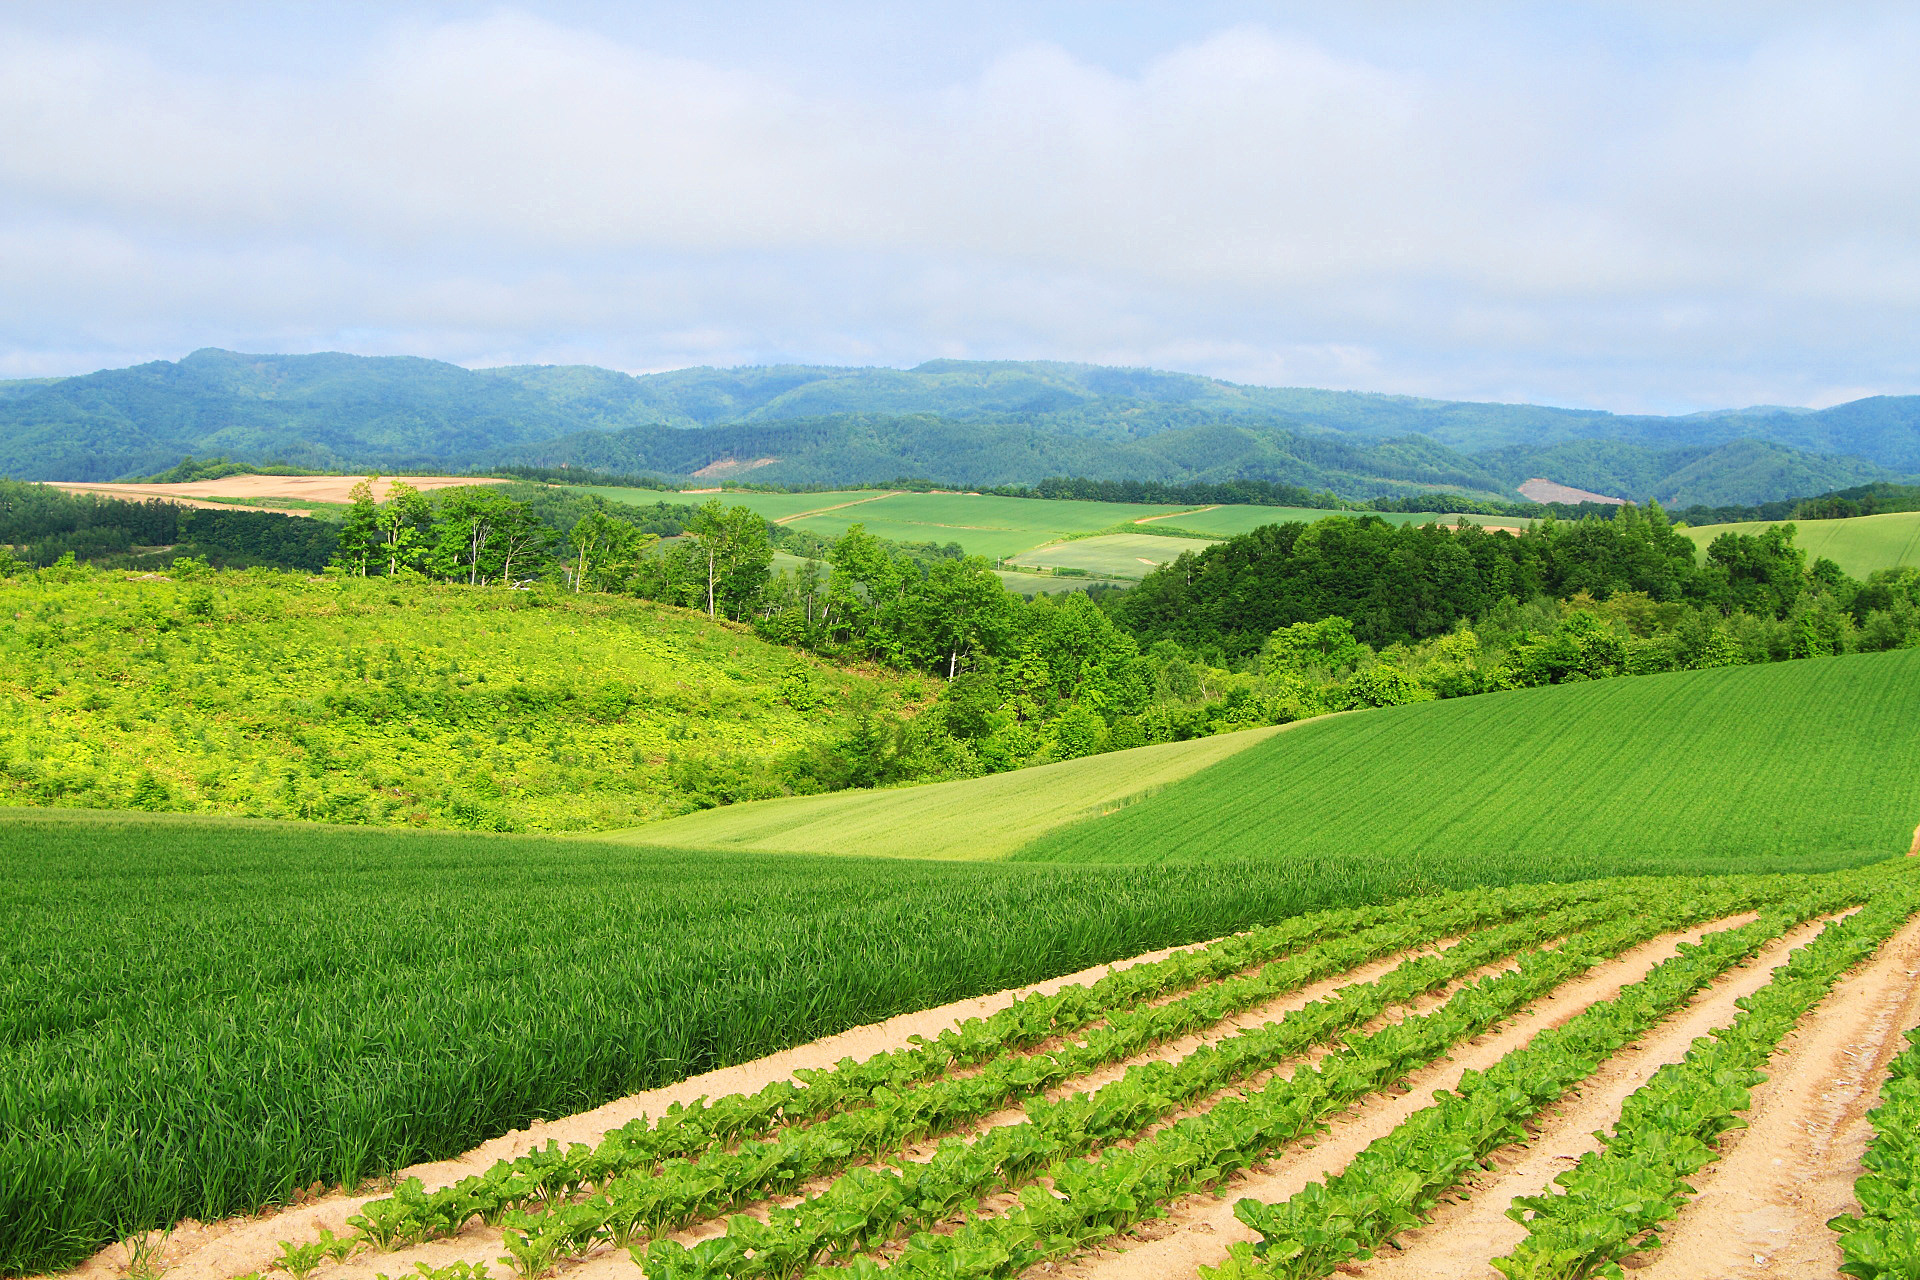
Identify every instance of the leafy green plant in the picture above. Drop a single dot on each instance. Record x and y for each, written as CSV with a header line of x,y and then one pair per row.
x,y
1609,1202
1882,1241
143,1255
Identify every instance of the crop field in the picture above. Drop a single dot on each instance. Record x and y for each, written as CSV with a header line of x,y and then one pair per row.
x,y
975,818
1859,544
1789,760
1119,555
1524,1081
203,1017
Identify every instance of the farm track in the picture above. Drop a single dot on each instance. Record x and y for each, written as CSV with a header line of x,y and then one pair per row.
x,y
1197,1230
1762,1209
1464,1233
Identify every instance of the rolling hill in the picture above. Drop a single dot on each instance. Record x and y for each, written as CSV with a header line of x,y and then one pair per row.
x,y
1858,544
1793,758
1796,763
969,422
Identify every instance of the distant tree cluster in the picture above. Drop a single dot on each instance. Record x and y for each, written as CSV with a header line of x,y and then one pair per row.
x,y
43,524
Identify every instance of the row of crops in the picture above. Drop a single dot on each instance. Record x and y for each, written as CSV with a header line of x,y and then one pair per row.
x,y
1056,1125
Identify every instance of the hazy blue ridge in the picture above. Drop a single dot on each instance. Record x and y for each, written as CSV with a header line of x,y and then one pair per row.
x,y
969,422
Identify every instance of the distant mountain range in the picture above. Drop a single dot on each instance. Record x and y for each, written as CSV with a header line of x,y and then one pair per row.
x,y
968,422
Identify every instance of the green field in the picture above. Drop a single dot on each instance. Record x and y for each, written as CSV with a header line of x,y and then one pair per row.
x,y
204,1016
1026,584
976,818
1795,759
1859,544
1005,528
393,703
1117,555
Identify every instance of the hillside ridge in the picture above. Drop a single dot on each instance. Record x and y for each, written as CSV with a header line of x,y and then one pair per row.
x,y
972,422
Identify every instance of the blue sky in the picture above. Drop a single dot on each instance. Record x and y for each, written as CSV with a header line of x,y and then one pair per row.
x,y
1641,207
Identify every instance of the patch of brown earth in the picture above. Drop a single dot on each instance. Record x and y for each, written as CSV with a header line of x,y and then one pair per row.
x,y
1541,489
1199,1230
731,466
1763,1209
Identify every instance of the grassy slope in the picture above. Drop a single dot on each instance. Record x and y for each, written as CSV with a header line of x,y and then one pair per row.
x,y
972,819
381,702
1859,545
1793,760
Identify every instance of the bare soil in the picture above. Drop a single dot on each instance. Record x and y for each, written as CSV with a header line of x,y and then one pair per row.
x,y
1762,1209
1199,1229
1461,1236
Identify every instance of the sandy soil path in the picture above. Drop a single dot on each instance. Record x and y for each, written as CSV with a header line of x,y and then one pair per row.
x,y
236,1246
1171,514
802,515
1762,1209
1199,1230
1463,1235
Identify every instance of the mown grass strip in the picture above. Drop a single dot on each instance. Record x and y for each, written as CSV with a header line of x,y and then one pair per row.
x,y
1389,1186
1667,1129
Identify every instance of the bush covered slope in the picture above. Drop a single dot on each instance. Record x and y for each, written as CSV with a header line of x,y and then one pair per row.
x,y
1791,759
388,702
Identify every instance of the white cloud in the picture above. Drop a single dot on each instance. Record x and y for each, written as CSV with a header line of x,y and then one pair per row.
x,y
1252,203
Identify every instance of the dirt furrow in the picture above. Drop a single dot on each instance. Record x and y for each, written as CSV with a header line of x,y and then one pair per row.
x,y
1199,1230
1463,1234
1762,1209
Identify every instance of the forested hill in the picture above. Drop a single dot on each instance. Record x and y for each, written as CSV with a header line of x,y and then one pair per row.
x,y
973,422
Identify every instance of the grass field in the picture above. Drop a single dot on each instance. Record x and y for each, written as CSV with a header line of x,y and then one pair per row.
x,y
1007,527
204,1016
1804,759
1117,555
977,818
378,701
1859,545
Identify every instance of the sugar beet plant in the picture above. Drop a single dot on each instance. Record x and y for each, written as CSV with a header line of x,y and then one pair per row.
x,y
1390,1186
1613,1198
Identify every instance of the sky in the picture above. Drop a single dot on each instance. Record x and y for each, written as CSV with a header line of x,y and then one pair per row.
x,y
1657,207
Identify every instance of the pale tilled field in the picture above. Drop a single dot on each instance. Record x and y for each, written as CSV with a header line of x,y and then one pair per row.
x,y
1406,1090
